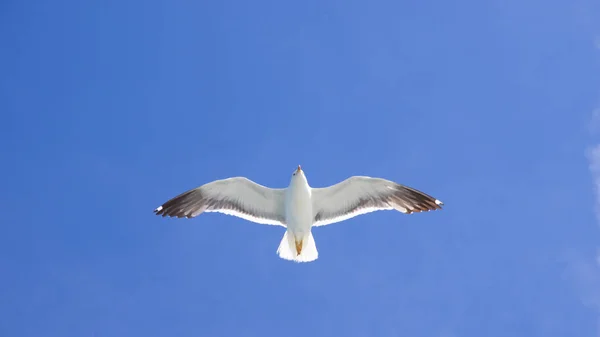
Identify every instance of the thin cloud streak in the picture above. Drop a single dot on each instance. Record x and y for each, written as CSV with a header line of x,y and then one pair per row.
x,y
587,271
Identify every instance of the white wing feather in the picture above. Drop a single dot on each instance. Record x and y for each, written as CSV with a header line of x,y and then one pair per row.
x,y
237,196
360,195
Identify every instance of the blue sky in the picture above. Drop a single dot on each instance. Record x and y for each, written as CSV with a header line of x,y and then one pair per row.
x,y
111,108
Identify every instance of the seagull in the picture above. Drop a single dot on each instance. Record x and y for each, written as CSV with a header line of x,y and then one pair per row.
x,y
298,207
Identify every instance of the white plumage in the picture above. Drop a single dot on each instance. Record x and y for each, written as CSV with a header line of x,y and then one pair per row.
x,y
298,207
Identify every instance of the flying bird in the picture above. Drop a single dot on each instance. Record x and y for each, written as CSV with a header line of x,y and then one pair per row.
x,y
298,207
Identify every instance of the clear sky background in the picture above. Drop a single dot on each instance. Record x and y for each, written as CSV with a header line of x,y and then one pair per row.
x,y
111,108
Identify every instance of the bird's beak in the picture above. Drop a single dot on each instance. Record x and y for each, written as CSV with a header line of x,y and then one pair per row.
x,y
299,169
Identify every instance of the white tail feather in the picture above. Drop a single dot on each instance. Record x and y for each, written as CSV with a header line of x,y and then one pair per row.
x,y
287,248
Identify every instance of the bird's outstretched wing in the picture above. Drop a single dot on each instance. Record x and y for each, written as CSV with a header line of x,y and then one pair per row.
x,y
359,195
236,196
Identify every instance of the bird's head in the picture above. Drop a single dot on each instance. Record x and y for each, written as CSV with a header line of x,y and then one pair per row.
x,y
298,175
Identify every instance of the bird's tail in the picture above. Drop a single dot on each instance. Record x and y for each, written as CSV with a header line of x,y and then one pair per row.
x,y
298,249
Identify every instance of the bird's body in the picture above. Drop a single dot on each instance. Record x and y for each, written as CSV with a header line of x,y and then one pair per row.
x,y
298,207
298,210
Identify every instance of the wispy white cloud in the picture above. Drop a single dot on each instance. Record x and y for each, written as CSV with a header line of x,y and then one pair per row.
x,y
593,156
584,271
594,126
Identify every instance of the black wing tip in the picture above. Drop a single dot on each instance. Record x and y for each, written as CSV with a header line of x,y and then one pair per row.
x,y
173,207
433,206
421,198
426,205
161,211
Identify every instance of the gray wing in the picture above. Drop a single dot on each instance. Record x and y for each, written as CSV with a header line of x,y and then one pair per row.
x,y
359,195
236,196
